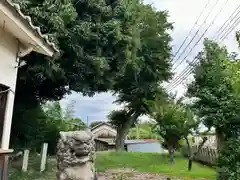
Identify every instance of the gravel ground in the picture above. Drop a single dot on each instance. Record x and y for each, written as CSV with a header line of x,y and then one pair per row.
x,y
129,174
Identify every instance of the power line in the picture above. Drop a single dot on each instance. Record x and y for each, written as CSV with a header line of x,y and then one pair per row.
x,y
222,29
196,22
185,76
209,13
187,71
181,76
237,21
215,17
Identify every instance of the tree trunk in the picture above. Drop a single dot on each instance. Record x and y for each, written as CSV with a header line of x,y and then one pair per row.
x,y
171,154
191,155
120,139
190,160
220,138
122,132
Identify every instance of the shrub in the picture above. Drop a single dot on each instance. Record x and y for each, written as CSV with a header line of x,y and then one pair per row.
x,y
229,160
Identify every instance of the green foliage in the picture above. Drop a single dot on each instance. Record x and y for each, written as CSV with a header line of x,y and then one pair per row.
x,y
95,123
214,101
174,122
228,161
118,117
143,131
123,46
216,92
140,80
43,125
233,73
95,39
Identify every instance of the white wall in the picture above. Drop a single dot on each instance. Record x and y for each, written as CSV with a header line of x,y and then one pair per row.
x,y
150,147
211,142
8,51
8,75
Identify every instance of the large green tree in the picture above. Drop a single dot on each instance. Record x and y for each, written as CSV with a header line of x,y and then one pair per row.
x,y
217,102
214,101
141,79
95,39
174,121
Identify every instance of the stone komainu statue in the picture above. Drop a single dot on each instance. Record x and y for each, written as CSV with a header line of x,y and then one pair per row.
x,y
76,156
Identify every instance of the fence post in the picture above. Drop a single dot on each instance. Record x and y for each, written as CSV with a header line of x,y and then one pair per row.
x,y
43,157
25,160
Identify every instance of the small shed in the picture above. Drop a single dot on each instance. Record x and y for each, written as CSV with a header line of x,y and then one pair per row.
x,y
104,130
104,144
144,145
18,37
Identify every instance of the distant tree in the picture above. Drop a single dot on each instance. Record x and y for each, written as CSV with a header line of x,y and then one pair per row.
x,y
214,101
173,122
76,124
216,92
95,123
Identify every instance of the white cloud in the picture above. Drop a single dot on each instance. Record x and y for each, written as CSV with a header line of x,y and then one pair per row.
x,y
94,108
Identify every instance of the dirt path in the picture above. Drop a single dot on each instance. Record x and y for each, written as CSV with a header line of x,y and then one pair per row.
x,y
128,174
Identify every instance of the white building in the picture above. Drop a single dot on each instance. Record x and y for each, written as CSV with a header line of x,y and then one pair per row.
x,y
18,37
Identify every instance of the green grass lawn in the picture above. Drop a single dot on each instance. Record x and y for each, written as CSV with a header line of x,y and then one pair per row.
x,y
154,163
33,173
142,162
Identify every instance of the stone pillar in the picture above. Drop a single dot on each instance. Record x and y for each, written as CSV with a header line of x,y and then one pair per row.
x,y
25,160
76,156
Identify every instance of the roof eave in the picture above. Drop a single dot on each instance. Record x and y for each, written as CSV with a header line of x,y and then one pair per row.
x,y
32,34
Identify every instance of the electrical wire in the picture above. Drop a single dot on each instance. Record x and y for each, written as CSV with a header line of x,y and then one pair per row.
x,y
196,33
181,76
215,17
187,71
222,29
196,22
225,35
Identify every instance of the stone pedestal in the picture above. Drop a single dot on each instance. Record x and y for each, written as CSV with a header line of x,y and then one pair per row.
x,y
76,156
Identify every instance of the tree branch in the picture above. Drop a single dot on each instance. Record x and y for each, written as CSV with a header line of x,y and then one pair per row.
x,y
189,147
204,139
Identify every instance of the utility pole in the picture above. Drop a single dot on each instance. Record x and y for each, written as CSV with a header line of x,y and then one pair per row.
x,y
137,131
87,121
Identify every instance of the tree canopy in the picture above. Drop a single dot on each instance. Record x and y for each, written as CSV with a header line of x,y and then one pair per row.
x,y
216,92
174,121
95,39
214,101
142,77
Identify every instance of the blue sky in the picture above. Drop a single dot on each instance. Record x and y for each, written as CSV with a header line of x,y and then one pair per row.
x,y
183,13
